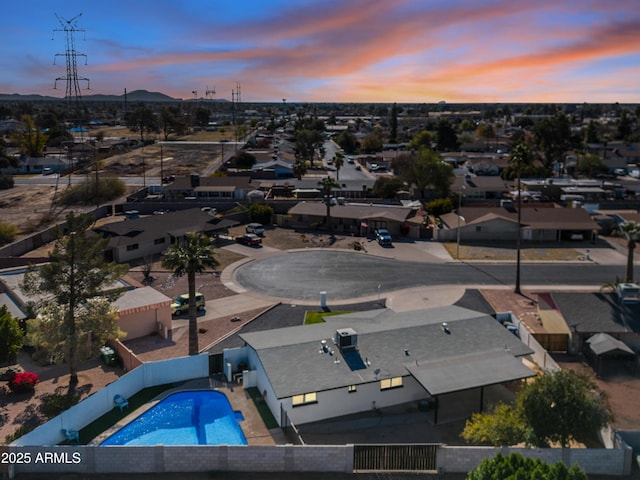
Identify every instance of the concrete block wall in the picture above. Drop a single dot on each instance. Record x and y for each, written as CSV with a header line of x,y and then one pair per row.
x,y
593,461
96,459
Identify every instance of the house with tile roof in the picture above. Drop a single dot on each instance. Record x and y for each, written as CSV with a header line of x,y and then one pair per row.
x,y
367,360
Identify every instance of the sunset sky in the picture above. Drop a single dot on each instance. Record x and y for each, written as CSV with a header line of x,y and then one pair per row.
x,y
332,50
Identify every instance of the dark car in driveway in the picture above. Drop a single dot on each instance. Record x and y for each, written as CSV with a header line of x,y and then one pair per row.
x,y
383,237
249,239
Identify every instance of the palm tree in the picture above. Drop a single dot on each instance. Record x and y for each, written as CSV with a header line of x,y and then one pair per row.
x,y
631,232
328,184
520,157
192,256
338,161
299,168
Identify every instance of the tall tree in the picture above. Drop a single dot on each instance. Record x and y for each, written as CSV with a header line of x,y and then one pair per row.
x,y
170,121
447,139
194,255
422,139
393,124
10,335
30,138
299,168
74,285
328,184
423,169
552,136
563,406
307,142
338,161
631,232
387,186
143,119
347,142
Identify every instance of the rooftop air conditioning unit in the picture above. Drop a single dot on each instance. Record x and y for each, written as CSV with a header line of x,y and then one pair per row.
x,y
628,293
346,338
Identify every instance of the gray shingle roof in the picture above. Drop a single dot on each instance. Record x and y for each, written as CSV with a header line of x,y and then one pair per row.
x,y
293,361
149,228
466,371
350,211
597,312
603,344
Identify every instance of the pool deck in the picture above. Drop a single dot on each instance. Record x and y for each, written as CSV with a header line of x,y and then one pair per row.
x,y
253,427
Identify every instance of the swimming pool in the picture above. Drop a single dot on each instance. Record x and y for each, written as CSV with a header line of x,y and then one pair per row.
x,y
184,418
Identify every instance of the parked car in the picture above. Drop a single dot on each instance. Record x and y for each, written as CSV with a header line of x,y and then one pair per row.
x,y
383,237
181,303
249,239
256,228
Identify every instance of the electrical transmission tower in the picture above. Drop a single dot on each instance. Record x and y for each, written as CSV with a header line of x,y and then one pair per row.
x,y
209,93
73,95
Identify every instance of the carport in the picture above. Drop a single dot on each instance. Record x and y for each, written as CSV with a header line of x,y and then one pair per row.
x,y
467,372
603,346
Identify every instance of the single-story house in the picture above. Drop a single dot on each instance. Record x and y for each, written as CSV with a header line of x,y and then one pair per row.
x,y
47,164
276,168
367,360
350,218
231,187
481,188
539,224
137,238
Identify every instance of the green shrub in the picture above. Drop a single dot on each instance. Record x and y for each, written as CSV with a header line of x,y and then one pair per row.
x,y
6,182
108,188
8,233
260,213
56,403
20,431
439,206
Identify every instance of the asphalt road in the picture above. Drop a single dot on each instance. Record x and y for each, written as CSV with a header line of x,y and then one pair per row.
x,y
344,275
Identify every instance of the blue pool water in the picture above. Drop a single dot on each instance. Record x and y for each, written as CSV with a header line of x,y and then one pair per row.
x,y
184,418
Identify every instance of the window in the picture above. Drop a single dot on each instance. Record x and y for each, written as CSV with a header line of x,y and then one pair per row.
x,y
388,383
352,388
304,399
133,246
159,241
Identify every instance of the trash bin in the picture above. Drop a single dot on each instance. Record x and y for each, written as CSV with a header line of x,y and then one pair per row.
x,y
108,355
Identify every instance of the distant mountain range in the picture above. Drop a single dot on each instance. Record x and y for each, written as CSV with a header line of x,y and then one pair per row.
x,y
135,96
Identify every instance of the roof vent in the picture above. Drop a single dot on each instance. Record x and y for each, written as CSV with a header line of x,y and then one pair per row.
x,y
346,338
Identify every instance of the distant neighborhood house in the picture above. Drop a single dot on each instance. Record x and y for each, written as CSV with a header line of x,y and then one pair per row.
x,y
501,224
134,239
350,218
